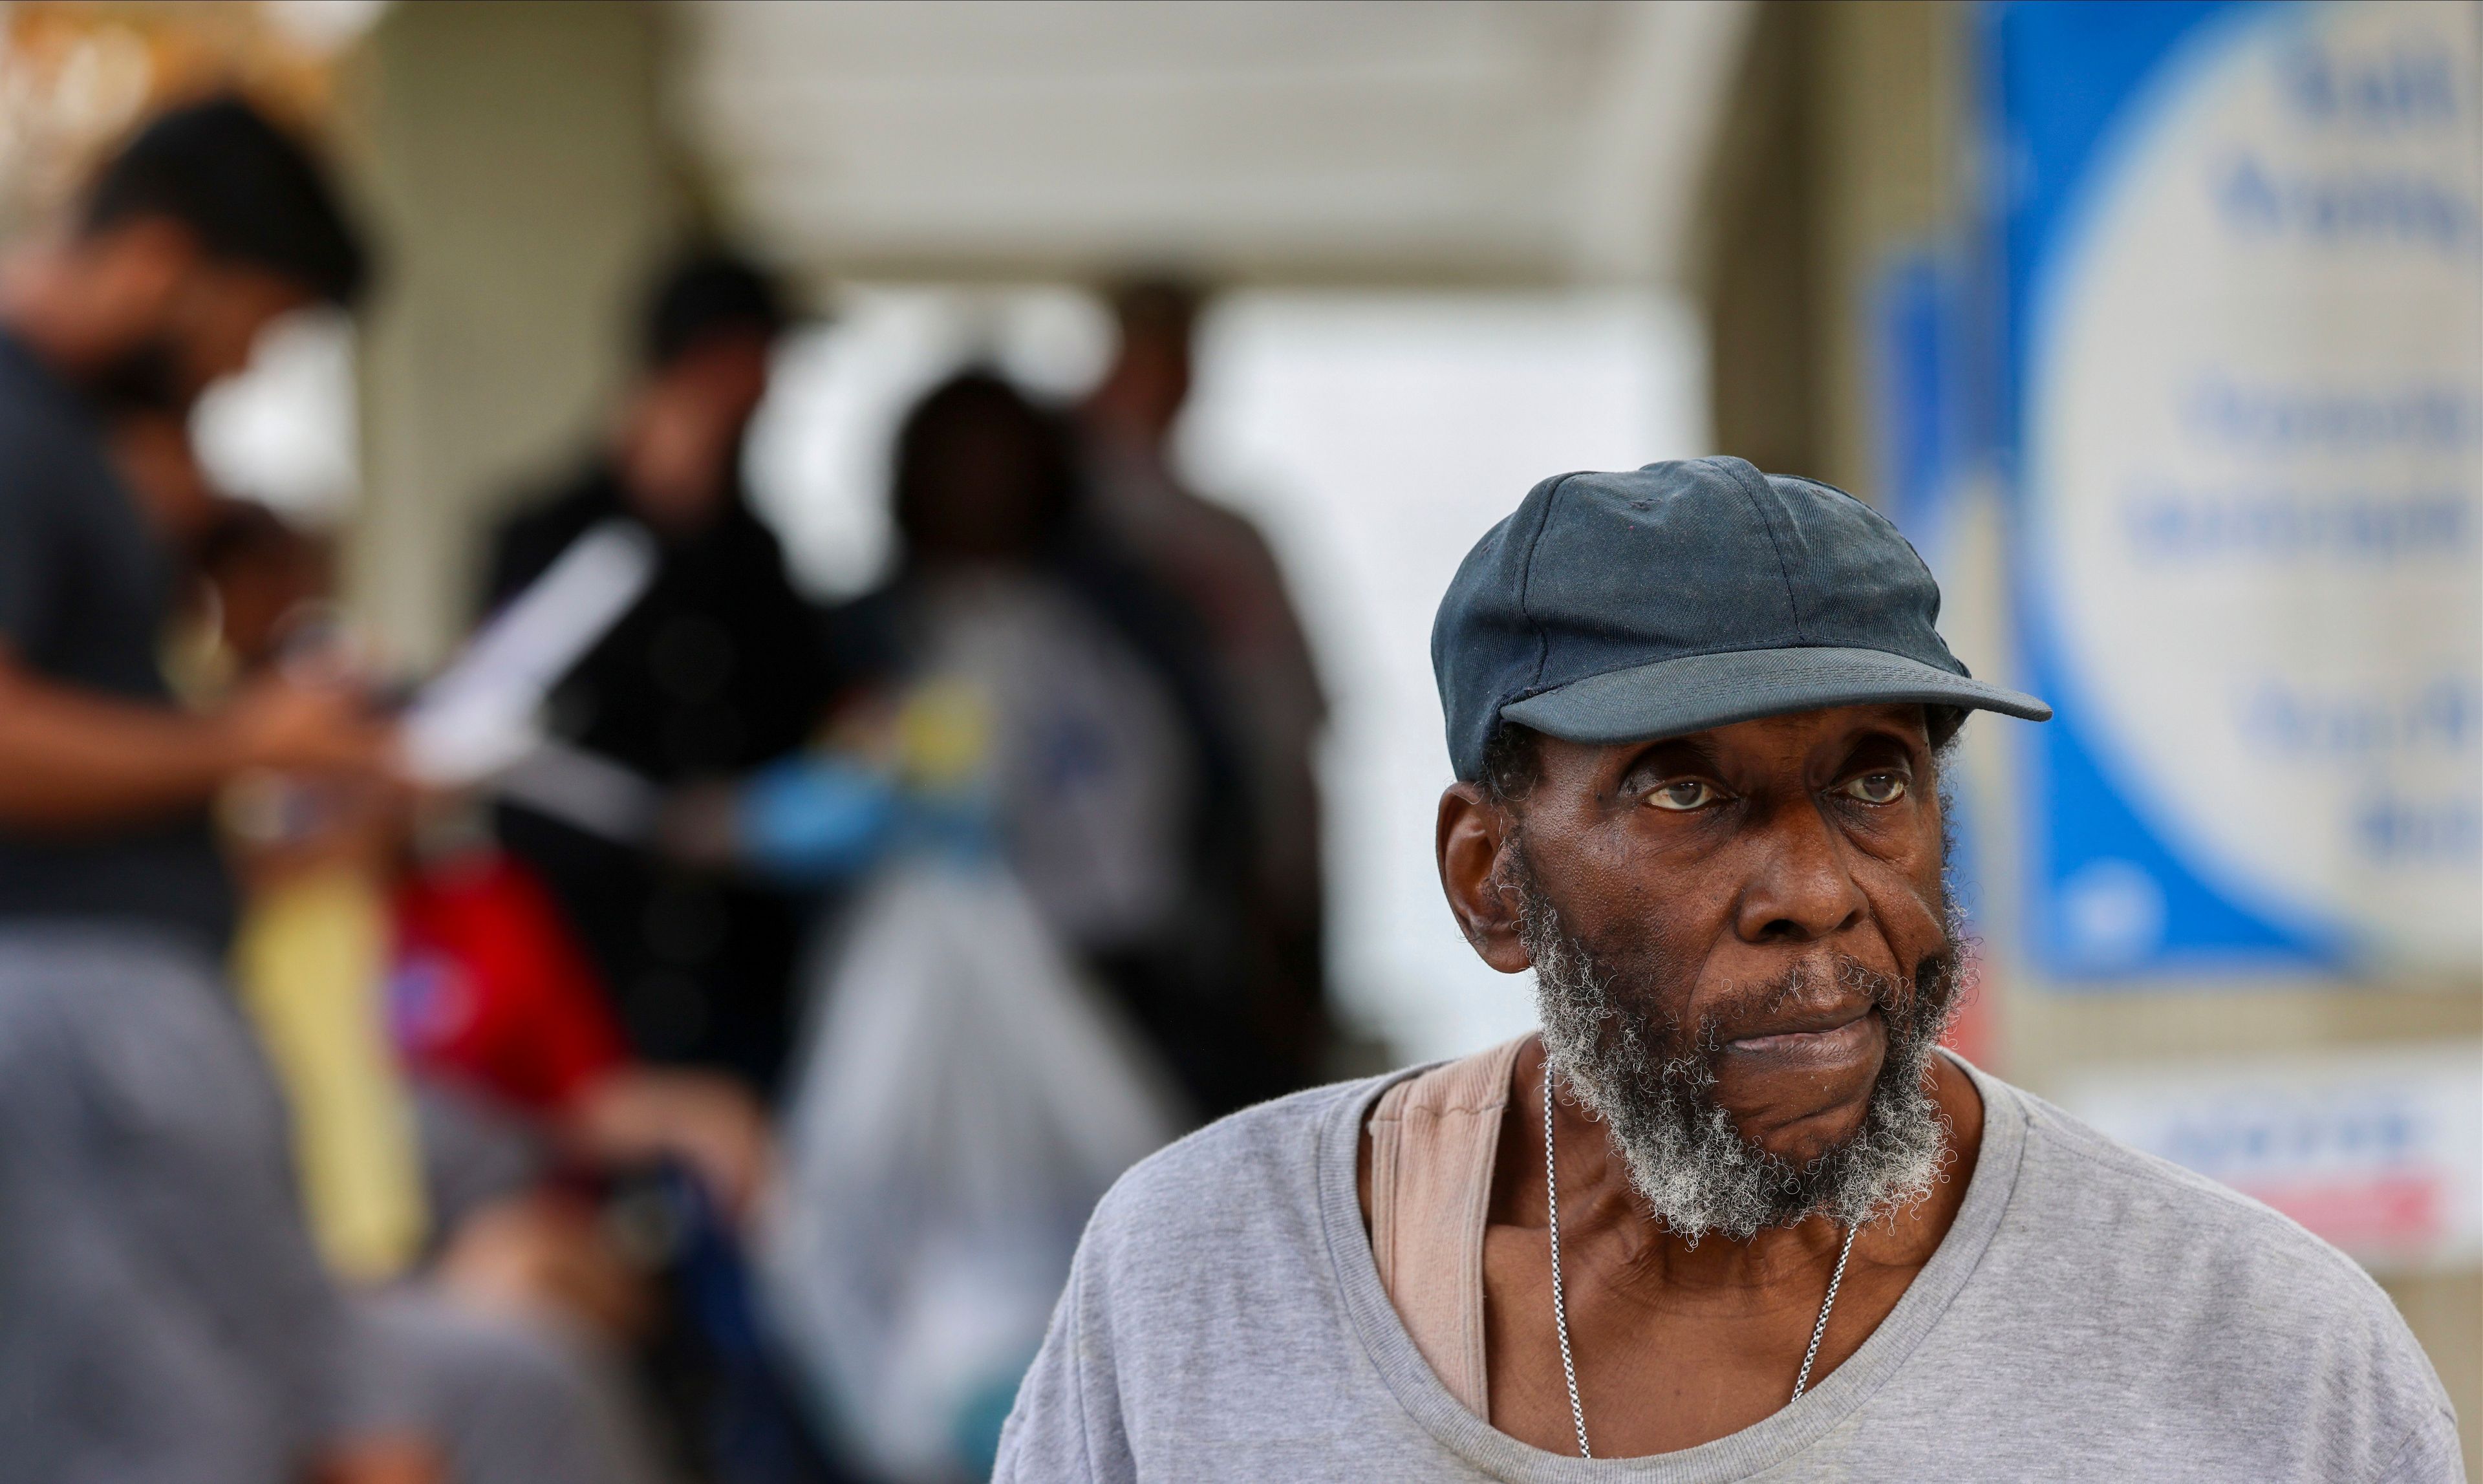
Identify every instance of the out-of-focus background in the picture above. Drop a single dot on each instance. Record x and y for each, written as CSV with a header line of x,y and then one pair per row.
x,y
2159,329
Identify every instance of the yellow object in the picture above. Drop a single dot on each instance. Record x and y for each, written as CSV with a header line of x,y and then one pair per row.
x,y
943,737
311,962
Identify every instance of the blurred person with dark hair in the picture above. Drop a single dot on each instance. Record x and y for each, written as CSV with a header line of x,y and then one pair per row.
x,y
1082,742
166,1315
1244,652
208,226
715,670
1114,783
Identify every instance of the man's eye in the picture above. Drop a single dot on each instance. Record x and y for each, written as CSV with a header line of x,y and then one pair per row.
x,y
1682,794
1876,788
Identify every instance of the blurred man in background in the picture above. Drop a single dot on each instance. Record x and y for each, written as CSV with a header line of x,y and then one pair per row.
x,y
1248,659
167,1314
166,1317
716,670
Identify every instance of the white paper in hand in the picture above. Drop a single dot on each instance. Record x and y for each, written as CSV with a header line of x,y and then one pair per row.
x,y
481,714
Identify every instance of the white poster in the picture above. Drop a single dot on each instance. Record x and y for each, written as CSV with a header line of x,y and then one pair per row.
x,y
2380,1152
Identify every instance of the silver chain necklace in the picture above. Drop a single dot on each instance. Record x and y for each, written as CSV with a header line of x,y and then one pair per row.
x,y
1560,1308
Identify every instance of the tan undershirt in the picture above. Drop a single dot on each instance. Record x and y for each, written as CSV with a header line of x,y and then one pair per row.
x,y
1433,1139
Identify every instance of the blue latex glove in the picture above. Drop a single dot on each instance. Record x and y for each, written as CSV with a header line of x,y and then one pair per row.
x,y
812,818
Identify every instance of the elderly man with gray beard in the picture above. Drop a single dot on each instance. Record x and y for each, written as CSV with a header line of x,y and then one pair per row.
x,y
1733,1214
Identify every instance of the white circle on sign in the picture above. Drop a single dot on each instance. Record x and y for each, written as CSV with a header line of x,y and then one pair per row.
x,y
2253,421
2112,912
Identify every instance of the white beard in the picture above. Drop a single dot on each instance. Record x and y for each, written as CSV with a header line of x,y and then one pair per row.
x,y
1686,1156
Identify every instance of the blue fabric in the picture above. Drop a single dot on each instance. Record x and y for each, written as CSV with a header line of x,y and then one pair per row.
x,y
813,818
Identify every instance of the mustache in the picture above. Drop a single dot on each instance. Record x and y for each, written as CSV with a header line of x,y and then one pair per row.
x,y
1900,998
1630,969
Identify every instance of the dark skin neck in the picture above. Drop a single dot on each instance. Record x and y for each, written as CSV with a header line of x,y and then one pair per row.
x,y
1727,859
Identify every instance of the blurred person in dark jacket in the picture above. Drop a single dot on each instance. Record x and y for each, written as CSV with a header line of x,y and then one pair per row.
x,y
715,670
1243,650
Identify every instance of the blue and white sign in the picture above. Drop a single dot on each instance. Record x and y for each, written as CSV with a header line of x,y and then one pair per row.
x,y
2244,410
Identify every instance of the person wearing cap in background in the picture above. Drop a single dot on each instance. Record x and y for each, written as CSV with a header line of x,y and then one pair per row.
x,y
1731,1214
719,668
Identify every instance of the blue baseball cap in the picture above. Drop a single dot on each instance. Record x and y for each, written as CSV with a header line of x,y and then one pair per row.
x,y
1687,595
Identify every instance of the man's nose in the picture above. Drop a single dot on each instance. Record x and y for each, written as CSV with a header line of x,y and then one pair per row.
x,y
1799,889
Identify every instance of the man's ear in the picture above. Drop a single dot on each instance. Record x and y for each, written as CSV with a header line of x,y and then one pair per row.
x,y
1474,840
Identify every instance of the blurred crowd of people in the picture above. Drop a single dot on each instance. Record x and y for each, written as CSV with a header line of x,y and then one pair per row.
x,y
372,1125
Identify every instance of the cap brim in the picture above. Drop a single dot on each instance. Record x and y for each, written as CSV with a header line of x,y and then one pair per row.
x,y
1675,697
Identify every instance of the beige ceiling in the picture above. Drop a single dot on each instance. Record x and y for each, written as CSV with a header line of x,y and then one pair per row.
x,y
1487,141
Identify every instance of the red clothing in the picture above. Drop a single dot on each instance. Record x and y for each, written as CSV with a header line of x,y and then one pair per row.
x,y
489,987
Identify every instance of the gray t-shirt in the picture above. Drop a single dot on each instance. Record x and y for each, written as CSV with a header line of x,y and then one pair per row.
x,y
2095,1314
163,1314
